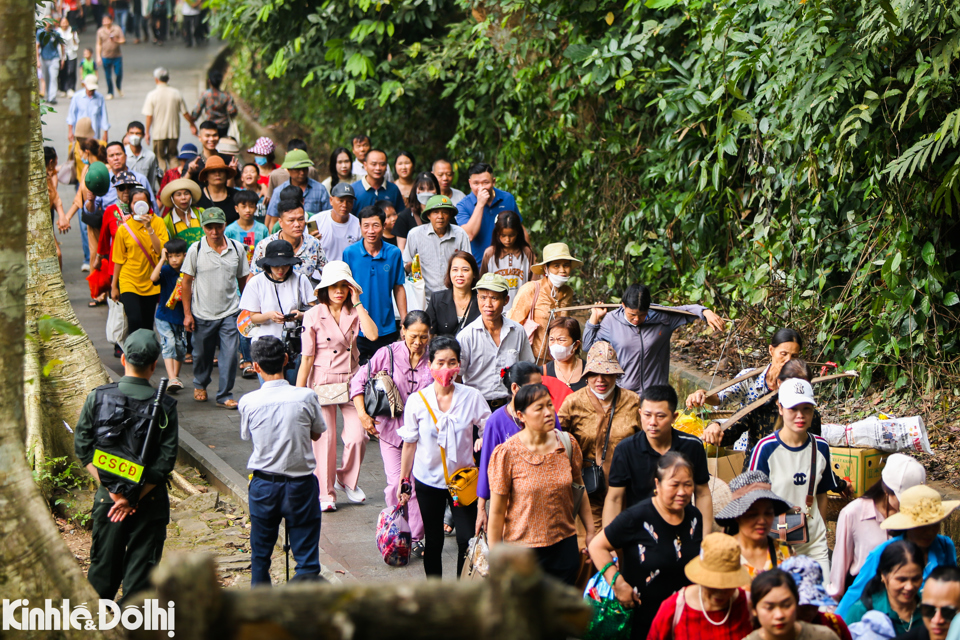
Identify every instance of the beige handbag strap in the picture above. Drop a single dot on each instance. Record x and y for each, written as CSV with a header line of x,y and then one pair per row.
x,y
443,454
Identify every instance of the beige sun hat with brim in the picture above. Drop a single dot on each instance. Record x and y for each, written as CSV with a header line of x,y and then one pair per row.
x,y
920,506
602,359
166,196
718,566
334,272
553,252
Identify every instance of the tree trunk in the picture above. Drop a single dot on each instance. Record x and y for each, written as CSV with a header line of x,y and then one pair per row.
x,y
58,397
34,562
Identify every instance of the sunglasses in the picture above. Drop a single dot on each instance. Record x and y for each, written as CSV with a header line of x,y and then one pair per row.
x,y
929,611
124,187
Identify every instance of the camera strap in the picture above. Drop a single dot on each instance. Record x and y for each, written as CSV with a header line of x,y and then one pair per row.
x,y
276,291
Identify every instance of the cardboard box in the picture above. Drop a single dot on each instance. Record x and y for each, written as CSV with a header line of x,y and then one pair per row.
x,y
862,467
728,466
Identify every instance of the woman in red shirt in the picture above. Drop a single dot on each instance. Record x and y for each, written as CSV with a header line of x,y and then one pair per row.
x,y
715,606
114,216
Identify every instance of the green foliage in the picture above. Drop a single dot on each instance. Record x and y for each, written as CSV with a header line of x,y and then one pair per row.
x,y
795,161
57,479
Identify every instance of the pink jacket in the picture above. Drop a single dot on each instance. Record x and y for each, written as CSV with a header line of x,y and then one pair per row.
x,y
333,346
858,533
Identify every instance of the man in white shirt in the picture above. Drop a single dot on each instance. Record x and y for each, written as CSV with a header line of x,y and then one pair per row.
x,y
361,145
336,228
281,420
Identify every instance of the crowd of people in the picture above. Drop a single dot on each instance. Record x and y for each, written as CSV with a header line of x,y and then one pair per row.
x,y
425,318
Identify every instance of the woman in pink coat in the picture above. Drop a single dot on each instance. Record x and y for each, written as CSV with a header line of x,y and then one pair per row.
x,y
330,359
406,362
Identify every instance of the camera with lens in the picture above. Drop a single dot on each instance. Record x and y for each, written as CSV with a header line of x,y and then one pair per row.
x,y
292,336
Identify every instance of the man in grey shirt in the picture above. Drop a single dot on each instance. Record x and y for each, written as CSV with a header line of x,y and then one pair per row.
x,y
492,342
282,421
212,271
435,242
641,336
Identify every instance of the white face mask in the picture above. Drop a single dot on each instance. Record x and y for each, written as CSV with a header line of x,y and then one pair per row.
x,y
134,140
557,281
606,395
423,197
561,352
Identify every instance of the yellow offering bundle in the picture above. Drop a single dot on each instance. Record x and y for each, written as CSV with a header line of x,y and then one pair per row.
x,y
690,423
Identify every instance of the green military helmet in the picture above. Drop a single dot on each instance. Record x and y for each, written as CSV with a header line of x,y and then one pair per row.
x,y
97,179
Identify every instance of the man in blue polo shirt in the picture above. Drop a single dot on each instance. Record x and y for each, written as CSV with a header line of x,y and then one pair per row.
x,y
477,213
374,186
377,267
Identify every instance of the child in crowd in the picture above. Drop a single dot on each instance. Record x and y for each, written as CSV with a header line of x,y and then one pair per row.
x,y
509,255
389,219
169,319
87,66
250,181
248,232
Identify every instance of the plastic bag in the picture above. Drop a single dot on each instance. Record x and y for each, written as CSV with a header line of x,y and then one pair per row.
x,y
393,536
610,620
477,565
690,423
116,322
890,435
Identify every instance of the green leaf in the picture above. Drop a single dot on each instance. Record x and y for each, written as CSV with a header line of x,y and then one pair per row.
x,y
895,263
742,116
951,299
47,368
928,254
578,52
48,326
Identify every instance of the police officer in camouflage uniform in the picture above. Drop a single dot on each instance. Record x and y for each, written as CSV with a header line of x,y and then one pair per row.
x,y
131,508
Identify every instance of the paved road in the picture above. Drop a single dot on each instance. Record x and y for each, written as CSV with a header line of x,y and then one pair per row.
x,y
348,536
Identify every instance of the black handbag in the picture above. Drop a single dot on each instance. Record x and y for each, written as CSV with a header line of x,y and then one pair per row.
x,y
593,477
377,393
91,219
792,528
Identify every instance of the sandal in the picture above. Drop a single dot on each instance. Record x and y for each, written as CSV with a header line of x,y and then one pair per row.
x,y
94,303
188,359
248,372
200,395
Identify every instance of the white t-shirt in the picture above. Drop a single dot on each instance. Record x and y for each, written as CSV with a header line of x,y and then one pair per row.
x,y
71,42
336,236
189,10
262,295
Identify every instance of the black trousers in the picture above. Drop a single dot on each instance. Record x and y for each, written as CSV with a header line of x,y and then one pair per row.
x,y
126,552
433,502
561,560
139,310
369,347
68,76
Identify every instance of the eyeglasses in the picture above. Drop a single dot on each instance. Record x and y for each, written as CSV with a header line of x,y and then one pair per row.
x,y
124,187
929,611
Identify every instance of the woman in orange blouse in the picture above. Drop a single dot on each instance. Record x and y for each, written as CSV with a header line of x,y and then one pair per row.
x,y
545,294
330,357
531,487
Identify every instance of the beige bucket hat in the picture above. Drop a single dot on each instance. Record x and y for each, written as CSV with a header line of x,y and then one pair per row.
x,y
166,196
718,566
602,359
553,252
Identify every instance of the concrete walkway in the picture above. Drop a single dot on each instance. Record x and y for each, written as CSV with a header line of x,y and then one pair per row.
x,y
348,544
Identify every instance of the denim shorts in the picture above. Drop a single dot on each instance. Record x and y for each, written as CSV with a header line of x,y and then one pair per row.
x,y
173,340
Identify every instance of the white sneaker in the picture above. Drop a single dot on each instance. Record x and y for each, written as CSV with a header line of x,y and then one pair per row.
x,y
69,93
354,495
327,506
85,266
109,96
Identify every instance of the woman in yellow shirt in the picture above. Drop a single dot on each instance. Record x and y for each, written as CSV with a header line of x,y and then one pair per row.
x,y
136,251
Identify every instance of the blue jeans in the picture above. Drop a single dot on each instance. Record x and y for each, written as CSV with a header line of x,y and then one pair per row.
x,y
289,374
111,65
206,336
298,502
245,349
84,242
122,15
173,340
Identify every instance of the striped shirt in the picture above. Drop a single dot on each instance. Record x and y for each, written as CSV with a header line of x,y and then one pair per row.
x,y
215,292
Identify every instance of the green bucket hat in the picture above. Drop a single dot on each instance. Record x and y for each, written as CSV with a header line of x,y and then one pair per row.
x,y
297,159
97,179
213,215
435,202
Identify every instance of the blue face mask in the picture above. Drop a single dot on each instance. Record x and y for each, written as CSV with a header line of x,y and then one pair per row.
x,y
85,161
260,160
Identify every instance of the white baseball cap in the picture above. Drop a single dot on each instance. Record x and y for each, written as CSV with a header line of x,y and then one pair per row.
x,y
902,472
795,391
90,82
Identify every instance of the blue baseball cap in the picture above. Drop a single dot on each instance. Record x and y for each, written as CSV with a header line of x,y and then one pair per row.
x,y
188,152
